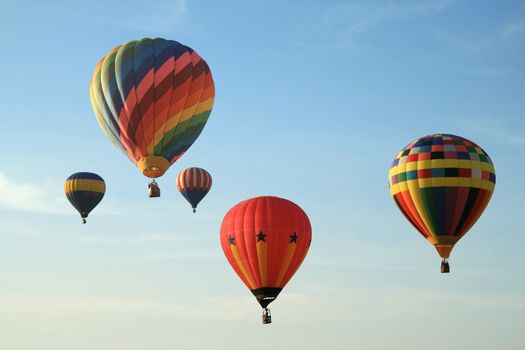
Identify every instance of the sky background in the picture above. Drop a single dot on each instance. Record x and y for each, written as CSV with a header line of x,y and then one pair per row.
x,y
313,101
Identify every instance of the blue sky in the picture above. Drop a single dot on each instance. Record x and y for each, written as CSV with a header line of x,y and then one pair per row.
x,y
313,100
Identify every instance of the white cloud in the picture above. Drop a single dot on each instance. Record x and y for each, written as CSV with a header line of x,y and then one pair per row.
x,y
29,197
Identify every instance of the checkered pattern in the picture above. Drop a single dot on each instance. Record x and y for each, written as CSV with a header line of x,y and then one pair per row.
x,y
442,184
442,160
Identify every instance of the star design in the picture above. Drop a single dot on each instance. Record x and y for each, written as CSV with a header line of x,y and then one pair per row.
x,y
261,236
293,238
231,239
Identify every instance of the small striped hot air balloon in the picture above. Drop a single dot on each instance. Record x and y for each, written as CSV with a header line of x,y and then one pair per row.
x,y
152,98
84,191
194,184
265,240
442,184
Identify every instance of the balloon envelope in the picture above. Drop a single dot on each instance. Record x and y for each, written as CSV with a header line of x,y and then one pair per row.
x,y
194,184
152,98
442,183
84,191
265,239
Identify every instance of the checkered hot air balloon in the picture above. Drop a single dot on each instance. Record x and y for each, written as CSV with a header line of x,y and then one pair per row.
x,y
265,240
84,191
152,98
194,184
442,183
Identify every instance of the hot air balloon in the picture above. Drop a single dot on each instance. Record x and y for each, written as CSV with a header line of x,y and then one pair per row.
x,y
84,191
194,184
442,183
265,239
152,98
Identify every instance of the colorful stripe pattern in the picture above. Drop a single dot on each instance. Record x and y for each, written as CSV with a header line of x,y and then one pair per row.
x,y
84,191
442,183
194,184
265,239
152,98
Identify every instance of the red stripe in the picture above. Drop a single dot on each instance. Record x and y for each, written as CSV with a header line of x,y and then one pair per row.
x,y
409,209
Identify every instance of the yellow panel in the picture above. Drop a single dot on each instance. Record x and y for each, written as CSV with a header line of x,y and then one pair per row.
x,y
394,189
239,262
485,166
423,164
393,171
438,181
465,164
487,185
290,250
464,181
476,183
451,163
450,181
437,163
85,185
426,182
411,166
476,164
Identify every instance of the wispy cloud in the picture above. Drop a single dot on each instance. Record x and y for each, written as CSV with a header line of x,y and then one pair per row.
x,y
355,18
514,29
29,197
502,34
464,46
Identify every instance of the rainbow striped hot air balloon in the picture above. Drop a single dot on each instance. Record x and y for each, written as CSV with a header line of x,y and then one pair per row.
x,y
152,98
442,183
84,191
194,184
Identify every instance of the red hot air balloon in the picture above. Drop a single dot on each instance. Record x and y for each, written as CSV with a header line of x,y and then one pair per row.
x,y
265,239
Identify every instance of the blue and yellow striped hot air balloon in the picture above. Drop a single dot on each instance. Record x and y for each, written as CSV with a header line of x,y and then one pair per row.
x,y
152,98
84,191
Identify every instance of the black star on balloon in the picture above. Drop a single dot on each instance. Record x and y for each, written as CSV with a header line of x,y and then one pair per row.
x,y
261,236
231,239
293,238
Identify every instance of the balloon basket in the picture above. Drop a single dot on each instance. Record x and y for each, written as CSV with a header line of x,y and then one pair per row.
x,y
153,189
266,316
445,267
